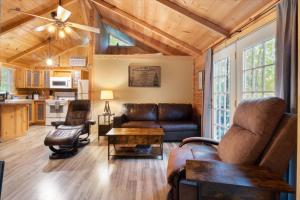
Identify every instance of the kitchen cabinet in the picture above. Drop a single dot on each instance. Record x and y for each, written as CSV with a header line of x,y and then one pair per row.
x,y
20,78
14,120
31,113
46,79
40,115
28,78
37,79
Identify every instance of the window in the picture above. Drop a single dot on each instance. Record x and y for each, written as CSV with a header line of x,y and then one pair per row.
x,y
221,97
242,70
259,70
113,41
7,83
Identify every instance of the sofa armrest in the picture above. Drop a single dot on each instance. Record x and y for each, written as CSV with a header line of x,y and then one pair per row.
x,y
57,123
118,121
199,140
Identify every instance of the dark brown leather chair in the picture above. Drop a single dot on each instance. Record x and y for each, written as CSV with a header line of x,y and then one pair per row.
x,y
66,135
261,135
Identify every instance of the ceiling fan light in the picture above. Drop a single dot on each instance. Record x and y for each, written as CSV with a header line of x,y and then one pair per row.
x,y
61,34
68,29
51,29
49,61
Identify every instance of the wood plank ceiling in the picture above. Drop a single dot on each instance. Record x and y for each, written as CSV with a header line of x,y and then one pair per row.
x,y
173,27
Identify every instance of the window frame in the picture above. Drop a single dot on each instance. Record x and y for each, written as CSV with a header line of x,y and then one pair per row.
x,y
263,34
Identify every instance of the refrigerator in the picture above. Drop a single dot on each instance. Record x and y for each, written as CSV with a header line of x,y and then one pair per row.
x,y
83,89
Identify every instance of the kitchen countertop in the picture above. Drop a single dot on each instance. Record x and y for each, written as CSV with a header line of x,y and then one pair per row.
x,y
16,101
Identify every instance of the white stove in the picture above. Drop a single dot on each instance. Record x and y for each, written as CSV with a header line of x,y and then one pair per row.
x,y
56,109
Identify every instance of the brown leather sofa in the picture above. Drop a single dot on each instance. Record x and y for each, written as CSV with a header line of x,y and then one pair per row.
x,y
261,135
179,121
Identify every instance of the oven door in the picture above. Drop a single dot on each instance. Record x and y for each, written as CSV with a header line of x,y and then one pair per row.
x,y
56,109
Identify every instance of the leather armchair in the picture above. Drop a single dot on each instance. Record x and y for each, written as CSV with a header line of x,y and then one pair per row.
x,y
261,135
68,134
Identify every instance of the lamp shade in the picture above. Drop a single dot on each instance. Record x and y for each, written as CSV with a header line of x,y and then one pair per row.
x,y
106,95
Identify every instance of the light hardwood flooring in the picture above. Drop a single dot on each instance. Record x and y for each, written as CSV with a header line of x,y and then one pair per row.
x,y
30,175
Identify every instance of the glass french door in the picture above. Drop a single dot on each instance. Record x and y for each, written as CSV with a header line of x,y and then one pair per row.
x,y
223,90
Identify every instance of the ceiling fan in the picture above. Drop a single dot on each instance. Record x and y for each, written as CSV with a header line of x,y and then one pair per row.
x,y
59,22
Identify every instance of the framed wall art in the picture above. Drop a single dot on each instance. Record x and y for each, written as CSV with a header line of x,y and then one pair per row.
x,y
144,76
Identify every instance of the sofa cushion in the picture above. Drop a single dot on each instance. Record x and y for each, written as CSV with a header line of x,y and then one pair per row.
x,y
140,112
175,112
254,124
140,124
178,157
170,126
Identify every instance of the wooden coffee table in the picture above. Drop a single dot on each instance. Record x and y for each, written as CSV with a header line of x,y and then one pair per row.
x,y
129,137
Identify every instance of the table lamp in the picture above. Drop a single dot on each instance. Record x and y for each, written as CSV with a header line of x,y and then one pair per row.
x,y
107,95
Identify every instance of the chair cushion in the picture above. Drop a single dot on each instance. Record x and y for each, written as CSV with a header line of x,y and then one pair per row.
x,y
64,135
254,124
178,157
140,124
175,112
75,118
170,126
140,112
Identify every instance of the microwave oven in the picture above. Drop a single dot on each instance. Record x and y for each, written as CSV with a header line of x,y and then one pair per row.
x,y
61,82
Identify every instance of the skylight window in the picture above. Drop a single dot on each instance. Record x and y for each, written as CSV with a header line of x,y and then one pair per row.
x,y
113,41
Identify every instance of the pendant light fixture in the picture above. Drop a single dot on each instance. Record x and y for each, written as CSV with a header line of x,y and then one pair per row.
x,y
49,60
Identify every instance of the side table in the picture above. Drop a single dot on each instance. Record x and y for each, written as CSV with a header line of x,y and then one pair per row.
x,y
106,124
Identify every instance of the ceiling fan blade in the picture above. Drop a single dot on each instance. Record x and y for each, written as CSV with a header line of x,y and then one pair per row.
x,y
72,32
84,27
37,16
42,28
63,14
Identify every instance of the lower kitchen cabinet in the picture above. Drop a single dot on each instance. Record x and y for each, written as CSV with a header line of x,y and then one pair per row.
x,y
37,113
31,113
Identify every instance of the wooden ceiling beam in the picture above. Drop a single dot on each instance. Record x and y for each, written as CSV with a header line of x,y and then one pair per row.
x,y
201,20
28,51
155,44
16,24
190,49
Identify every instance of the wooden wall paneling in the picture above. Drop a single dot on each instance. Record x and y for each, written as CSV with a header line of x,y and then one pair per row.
x,y
28,51
203,21
155,44
198,94
188,48
248,27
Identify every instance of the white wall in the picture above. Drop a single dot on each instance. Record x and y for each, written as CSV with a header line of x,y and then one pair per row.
x,y
111,72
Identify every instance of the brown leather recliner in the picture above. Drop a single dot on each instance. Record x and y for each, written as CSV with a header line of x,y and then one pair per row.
x,y
66,135
261,135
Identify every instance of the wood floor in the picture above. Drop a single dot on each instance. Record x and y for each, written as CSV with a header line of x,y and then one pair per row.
x,y
29,174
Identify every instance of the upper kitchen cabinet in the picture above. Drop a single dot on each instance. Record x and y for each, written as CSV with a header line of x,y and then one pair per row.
x,y
46,78
37,79
23,78
20,78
